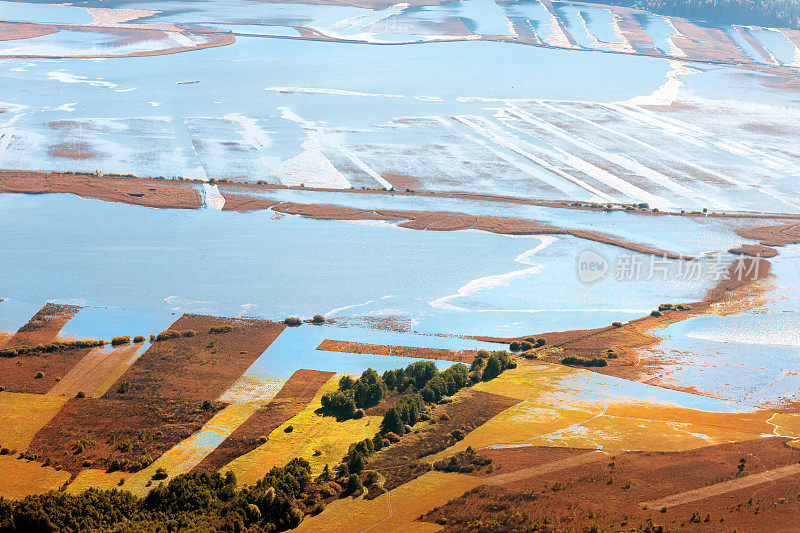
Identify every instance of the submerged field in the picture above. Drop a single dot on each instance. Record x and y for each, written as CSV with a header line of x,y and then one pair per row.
x,y
214,211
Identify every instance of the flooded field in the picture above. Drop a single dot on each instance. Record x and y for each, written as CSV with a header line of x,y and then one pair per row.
x,y
214,211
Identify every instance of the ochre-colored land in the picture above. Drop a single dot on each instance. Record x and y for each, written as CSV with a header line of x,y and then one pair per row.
x,y
293,397
462,356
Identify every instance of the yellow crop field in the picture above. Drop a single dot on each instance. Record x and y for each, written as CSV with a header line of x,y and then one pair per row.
x,y
21,477
310,433
23,415
394,511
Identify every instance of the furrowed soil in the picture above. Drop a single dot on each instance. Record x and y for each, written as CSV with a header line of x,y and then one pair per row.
x,y
609,490
209,363
293,397
127,427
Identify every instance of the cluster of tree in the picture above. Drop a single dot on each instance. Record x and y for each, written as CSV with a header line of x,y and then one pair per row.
x,y
224,328
196,501
120,340
465,462
673,307
487,366
292,321
527,344
363,393
777,13
580,361
51,347
172,334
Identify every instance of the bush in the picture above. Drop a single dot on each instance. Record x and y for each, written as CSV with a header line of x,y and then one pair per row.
x,y
288,429
292,321
120,340
80,394
138,338
616,324
167,335
580,361
39,375
514,346
318,319
206,405
540,342
656,313
161,473
188,333
225,328
124,386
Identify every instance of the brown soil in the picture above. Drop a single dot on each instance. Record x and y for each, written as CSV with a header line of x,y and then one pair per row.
x,y
777,235
10,31
18,373
243,203
152,425
138,191
72,150
607,493
463,356
192,368
293,397
754,250
706,43
446,221
43,327
401,462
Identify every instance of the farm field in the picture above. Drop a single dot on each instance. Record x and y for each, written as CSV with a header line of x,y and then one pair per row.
x,y
474,265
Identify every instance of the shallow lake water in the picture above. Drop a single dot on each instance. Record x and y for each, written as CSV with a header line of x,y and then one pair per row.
x,y
256,264
750,356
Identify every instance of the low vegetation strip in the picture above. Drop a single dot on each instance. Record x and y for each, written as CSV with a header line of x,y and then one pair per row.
x,y
51,347
724,487
462,356
546,468
293,397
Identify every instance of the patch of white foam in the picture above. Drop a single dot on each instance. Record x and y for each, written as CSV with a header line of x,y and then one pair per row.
x,y
668,93
337,92
213,198
65,77
489,282
311,168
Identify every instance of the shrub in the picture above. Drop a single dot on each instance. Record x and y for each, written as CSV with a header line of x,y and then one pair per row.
x,y
138,338
120,340
188,333
124,386
161,473
580,361
540,342
224,328
206,405
292,321
80,394
318,319
656,313
514,346
617,324
167,335
288,429
51,347
39,375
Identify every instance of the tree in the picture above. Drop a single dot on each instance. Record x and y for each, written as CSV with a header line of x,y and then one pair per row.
x,y
493,368
392,422
353,484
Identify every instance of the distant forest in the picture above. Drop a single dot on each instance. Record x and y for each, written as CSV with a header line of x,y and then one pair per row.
x,y
777,13
772,13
